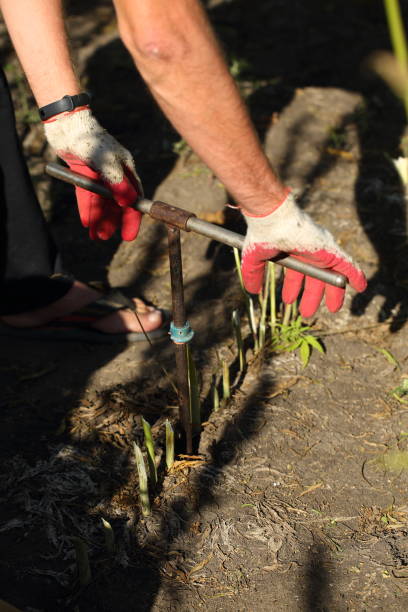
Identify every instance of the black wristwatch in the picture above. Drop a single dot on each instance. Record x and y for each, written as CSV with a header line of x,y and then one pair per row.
x,y
67,103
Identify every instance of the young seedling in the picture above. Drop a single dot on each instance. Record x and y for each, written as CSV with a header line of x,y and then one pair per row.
x,y
272,297
292,336
226,386
236,325
216,398
169,445
151,456
82,560
143,486
108,535
264,305
249,304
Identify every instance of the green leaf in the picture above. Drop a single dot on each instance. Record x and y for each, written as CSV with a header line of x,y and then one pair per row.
x,y
304,352
150,451
315,343
402,389
169,445
388,355
294,345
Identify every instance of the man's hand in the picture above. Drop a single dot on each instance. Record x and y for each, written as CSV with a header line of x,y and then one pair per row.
x,y
289,230
88,149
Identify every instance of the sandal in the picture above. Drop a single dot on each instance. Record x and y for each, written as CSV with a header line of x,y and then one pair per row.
x,y
77,326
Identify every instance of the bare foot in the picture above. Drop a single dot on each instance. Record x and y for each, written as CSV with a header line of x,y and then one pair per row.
x,y
80,295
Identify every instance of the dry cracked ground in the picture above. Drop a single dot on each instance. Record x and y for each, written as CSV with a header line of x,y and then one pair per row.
x,y
296,497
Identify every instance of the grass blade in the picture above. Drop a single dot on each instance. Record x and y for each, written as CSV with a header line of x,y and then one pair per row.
x,y
151,457
252,323
249,305
236,325
398,39
169,445
216,398
272,298
286,314
238,267
226,387
389,356
143,486
264,305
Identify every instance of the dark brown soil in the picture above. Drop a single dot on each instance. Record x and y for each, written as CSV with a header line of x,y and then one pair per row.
x,y
296,498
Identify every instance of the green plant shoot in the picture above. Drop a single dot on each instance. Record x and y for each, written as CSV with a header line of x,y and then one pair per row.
x,y
236,325
108,535
226,387
169,445
143,485
151,456
292,336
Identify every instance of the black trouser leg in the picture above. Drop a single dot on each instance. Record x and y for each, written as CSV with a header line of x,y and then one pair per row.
x,y
28,256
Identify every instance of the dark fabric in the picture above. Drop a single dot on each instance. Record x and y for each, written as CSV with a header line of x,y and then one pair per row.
x,y
28,256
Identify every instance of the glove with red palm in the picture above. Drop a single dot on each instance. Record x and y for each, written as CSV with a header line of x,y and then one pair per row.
x,y
288,230
88,149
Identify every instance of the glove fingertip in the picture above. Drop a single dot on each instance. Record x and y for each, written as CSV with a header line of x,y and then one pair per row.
x,y
307,313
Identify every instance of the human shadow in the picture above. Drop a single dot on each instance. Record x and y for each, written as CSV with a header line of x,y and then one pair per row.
x,y
317,598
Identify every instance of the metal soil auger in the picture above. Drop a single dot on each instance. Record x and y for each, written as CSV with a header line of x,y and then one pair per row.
x,y
177,219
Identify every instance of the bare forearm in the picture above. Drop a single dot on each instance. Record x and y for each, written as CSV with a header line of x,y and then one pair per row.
x,y
36,28
175,50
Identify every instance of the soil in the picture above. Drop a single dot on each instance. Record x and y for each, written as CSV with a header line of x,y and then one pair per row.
x,y
296,496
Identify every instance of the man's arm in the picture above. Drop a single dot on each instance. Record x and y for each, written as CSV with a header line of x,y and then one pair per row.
x,y
36,28
174,48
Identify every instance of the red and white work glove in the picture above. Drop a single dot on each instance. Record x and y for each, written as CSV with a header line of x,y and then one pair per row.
x,y
88,149
289,230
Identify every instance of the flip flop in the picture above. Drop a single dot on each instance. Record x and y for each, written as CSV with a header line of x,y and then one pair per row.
x,y
77,326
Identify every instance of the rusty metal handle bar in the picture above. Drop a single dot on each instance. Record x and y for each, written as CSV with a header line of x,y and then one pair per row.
x,y
192,223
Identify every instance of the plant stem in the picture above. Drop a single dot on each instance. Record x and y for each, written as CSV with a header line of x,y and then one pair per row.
x,y
264,305
143,486
236,324
216,398
226,393
397,34
238,267
248,301
150,451
272,297
286,314
109,536
169,445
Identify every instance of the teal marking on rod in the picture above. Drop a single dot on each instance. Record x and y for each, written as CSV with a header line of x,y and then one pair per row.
x,y
181,334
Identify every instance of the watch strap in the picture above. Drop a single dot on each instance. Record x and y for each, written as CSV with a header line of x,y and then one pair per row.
x,y
66,104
